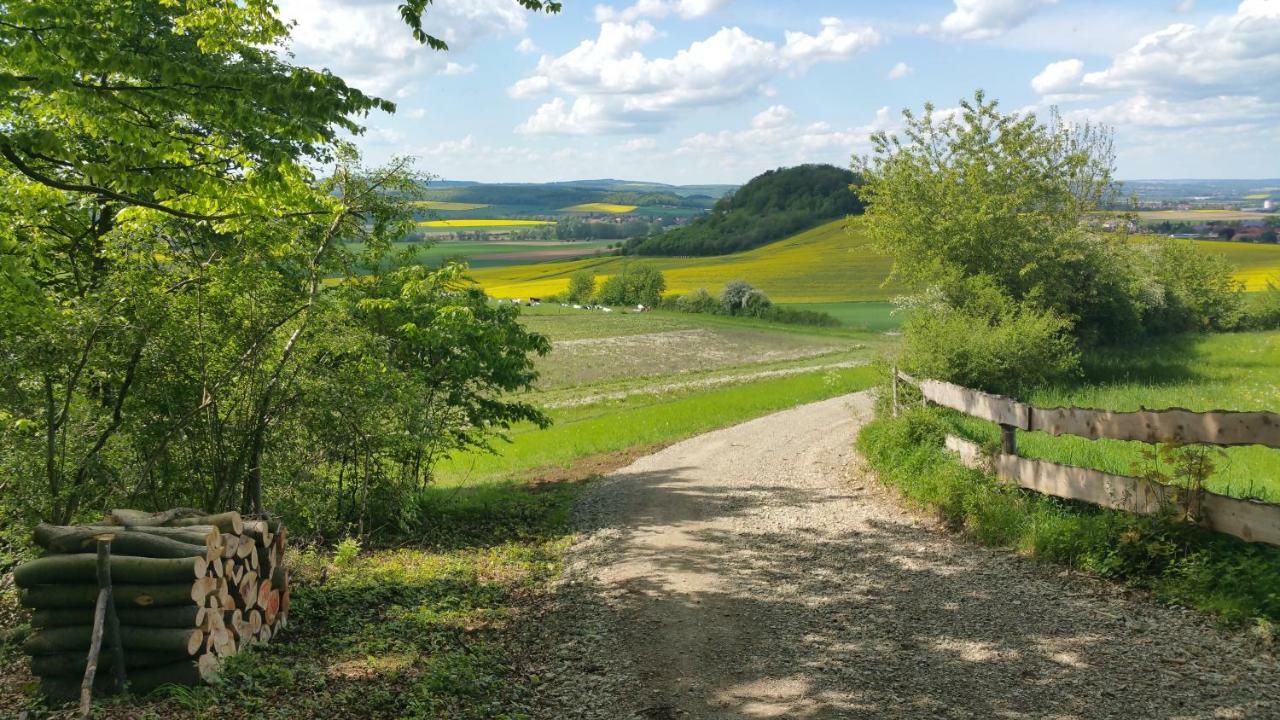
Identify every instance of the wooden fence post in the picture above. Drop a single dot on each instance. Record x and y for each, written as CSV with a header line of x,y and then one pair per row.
x,y
895,390
1009,439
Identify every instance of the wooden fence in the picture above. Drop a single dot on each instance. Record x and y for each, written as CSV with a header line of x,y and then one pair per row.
x,y
1250,520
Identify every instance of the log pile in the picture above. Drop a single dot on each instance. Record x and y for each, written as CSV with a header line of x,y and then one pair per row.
x,y
189,589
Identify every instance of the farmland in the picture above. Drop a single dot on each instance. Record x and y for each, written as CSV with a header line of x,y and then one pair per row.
x,y
1205,215
600,207
832,263
474,223
449,206
620,380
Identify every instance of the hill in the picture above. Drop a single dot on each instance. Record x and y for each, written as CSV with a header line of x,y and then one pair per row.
x,y
772,206
830,263
551,198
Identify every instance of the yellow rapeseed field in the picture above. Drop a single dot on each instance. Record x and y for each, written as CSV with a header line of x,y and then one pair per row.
x,y
830,263
477,222
600,208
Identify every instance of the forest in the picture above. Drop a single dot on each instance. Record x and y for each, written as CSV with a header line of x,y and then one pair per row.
x,y
770,207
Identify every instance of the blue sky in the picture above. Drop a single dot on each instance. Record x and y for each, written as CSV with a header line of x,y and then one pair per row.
x,y
693,91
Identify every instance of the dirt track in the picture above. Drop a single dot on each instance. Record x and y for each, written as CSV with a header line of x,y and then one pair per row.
x,y
753,573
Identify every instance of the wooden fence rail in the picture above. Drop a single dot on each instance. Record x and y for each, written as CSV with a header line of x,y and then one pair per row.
x,y
1250,520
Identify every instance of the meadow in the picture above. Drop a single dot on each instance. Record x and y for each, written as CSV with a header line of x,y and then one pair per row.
x,y
1229,371
618,381
448,206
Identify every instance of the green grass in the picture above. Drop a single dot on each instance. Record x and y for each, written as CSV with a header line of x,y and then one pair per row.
x,y
1232,371
644,420
1240,582
873,316
496,253
394,633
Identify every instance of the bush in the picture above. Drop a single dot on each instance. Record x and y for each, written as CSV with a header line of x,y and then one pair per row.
x,y
1263,310
1238,581
1195,291
992,344
582,286
635,285
698,301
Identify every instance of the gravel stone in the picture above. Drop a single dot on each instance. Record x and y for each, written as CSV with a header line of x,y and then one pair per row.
x,y
757,572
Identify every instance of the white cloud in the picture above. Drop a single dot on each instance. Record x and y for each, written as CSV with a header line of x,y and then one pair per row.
x,y
585,116
627,89
454,68
686,9
414,113
776,139
900,70
835,41
1058,77
526,47
982,19
1234,54
643,144
1185,6
368,45
774,116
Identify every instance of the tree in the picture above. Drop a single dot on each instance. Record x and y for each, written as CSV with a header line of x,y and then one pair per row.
x,y
984,215
164,275
635,285
582,286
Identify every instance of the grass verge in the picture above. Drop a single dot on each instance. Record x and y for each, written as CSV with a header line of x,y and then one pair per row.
x,y
1239,582
385,633
610,426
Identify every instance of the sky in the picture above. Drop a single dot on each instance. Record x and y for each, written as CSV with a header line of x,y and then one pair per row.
x,y
717,91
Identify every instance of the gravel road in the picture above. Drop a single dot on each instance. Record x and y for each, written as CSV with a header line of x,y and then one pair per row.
x,y
754,572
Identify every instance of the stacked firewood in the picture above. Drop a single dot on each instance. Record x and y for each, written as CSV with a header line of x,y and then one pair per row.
x,y
188,589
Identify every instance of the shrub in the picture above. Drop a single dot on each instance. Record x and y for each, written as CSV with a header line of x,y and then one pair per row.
x,y
1006,348
1263,310
1182,563
582,286
635,285
698,301
1196,291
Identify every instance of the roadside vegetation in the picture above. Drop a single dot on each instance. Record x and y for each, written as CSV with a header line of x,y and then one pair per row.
x,y
1013,293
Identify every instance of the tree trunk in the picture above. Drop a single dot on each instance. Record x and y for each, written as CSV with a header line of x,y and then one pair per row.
x,y
176,616
63,539
82,567
141,681
47,641
73,663
73,596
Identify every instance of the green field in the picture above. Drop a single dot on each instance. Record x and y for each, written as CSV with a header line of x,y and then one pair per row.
x,y
1236,371
500,253
618,380
600,207
875,316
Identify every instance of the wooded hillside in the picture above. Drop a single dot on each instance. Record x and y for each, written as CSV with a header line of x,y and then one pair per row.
x,y
772,206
